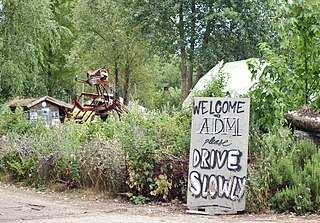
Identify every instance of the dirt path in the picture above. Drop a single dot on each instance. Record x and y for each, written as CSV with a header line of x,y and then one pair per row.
x,y
26,205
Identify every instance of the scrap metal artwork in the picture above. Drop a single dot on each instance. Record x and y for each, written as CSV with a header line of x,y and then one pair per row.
x,y
101,103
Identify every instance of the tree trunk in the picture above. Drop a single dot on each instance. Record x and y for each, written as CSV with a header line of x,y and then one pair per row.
x,y
183,54
205,41
50,86
116,74
192,43
126,83
128,69
306,122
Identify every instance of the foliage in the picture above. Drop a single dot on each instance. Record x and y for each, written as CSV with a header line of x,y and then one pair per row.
x,y
105,156
164,83
296,179
31,39
300,33
146,44
168,98
53,41
60,76
147,155
204,32
73,154
240,27
290,75
16,122
283,174
146,141
216,86
19,161
165,70
106,37
139,199
265,149
296,199
162,186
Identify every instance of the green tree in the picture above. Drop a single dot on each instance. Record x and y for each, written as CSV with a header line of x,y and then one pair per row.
x,y
108,38
29,34
236,29
202,32
163,84
291,70
60,77
300,33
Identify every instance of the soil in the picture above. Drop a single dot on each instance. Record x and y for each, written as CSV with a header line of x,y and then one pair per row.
x,y
21,204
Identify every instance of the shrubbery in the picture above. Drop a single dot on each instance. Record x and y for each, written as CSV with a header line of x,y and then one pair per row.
x,y
146,156
142,154
284,175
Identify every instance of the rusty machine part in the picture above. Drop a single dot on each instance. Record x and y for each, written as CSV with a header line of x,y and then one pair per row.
x,y
100,103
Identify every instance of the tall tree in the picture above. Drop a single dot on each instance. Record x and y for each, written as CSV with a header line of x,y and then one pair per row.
x,y
291,75
107,38
193,33
27,28
203,32
60,79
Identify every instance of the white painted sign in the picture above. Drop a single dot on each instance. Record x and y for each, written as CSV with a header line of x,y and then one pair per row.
x,y
33,115
218,155
55,122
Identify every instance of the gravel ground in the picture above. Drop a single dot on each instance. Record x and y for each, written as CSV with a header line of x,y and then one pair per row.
x,y
18,204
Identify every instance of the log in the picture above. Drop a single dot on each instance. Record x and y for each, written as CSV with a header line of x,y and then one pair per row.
x,y
314,137
302,121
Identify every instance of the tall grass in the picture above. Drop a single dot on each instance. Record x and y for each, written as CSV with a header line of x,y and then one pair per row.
x,y
112,156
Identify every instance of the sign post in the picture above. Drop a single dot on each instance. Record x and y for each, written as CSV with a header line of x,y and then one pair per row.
x,y
218,155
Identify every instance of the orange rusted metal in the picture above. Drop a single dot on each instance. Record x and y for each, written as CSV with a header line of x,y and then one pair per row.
x,y
100,103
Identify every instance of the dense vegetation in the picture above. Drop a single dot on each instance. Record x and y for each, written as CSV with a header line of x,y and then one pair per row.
x,y
143,155
285,174
149,45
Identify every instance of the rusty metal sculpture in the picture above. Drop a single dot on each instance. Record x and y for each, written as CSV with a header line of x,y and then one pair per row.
x,y
100,104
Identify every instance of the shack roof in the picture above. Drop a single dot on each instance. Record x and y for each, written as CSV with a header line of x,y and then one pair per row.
x,y
30,102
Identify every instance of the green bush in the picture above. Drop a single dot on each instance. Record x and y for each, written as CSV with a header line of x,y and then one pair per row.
x,y
110,156
163,99
296,198
215,87
147,156
284,175
147,140
16,122
296,179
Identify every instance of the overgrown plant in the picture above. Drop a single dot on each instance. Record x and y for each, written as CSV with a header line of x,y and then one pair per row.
x,y
290,75
216,86
283,174
105,156
147,140
295,179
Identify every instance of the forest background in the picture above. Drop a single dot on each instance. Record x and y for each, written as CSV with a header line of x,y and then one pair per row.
x,y
156,51
146,45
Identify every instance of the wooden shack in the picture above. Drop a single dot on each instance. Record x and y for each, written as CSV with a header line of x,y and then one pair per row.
x,y
46,109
